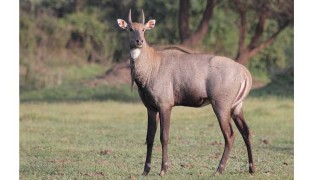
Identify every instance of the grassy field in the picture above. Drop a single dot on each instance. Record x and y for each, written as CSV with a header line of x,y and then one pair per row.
x,y
105,140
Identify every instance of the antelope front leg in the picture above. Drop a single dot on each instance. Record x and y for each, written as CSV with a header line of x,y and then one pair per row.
x,y
152,129
164,137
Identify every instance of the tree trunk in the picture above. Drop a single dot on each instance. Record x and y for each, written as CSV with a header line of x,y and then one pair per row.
x,y
243,57
242,32
245,53
259,30
196,37
184,30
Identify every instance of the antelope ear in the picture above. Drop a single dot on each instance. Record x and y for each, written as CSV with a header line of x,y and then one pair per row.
x,y
150,24
122,23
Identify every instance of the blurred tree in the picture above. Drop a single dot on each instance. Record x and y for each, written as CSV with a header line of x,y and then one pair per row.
x,y
186,36
280,11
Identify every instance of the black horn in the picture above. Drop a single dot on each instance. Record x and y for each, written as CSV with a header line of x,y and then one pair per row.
x,y
129,17
142,16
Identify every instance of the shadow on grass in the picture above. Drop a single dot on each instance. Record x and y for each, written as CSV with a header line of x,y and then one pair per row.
x,y
274,89
124,94
282,85
280,148
80,93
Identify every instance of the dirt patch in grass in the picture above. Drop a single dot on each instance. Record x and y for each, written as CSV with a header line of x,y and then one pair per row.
x,y
94,174
105,152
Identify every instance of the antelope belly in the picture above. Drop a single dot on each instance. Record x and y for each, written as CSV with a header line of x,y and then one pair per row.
x,y
193,102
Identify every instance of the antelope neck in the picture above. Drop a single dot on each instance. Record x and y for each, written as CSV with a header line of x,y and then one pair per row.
x,y
142,63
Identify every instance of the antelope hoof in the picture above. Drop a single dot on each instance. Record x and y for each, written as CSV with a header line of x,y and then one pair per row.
x,y
217,173
162,173
251,170
145,173
146,170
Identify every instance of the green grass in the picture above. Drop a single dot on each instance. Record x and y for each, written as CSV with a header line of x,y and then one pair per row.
x,y
79,92
105,140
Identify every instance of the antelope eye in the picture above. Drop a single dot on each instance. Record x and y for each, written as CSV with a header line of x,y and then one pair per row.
x,y
131,29
143,29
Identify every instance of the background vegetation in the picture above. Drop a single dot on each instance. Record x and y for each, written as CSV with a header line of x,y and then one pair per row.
x,y
64,42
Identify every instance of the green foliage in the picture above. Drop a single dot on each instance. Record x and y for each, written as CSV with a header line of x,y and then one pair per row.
x,y
276,57
94,33
27,37
43,32
195,12
222,36
165,14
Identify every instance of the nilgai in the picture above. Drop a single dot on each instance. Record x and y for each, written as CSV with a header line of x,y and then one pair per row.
x,y
167,79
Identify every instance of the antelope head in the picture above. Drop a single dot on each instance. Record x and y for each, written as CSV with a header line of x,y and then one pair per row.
x,y
136,31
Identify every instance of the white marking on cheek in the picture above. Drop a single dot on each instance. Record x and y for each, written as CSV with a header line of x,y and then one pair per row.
x,y
135,53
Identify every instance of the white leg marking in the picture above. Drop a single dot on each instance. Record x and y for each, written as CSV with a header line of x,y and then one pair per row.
x,y
148,165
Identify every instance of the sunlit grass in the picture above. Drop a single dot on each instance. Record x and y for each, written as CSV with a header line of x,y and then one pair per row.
x,y
106,140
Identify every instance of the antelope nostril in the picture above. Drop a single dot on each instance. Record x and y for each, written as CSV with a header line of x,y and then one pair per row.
x,y
139,41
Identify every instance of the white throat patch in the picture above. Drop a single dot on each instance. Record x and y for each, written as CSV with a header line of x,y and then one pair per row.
x,y
135,52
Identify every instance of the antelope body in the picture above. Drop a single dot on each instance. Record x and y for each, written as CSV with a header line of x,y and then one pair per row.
x,y
166,79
